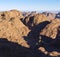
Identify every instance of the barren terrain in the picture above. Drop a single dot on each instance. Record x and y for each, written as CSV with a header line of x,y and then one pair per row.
x,y
29,34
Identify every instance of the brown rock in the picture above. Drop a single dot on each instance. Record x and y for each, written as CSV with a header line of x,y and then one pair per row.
x,y
12,28
39,18
51,30
54,53
10,14
43,50
36,19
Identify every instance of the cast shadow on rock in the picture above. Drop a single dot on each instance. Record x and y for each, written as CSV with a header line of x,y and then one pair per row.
x,y
50,44
33,36
26,22
47,42
11,49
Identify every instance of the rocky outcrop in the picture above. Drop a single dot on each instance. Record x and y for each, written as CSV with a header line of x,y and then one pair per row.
x,y
53,53
52,29
12,28
34,20
11,14
51,38
31,35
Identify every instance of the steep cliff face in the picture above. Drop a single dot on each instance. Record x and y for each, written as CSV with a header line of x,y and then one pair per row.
x,y
34,20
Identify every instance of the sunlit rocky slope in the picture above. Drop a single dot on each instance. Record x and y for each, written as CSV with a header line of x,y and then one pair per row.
x,y
24,34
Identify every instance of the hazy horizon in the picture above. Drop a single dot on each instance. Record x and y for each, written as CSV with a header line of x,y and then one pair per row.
x,y
29,5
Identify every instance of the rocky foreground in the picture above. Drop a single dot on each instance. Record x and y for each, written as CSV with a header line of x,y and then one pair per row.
x,y
29,34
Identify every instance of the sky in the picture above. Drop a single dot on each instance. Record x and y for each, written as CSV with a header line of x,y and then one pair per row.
x,y
30,5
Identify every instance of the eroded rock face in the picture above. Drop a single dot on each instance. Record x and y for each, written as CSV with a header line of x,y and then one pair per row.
x,y
12,28
34,20
39,18
51,30
51,38
11,14
15,28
